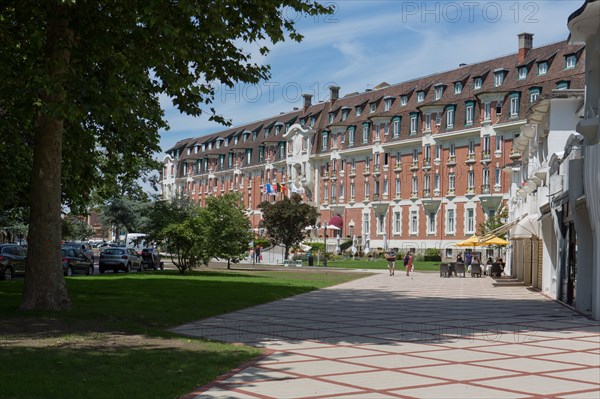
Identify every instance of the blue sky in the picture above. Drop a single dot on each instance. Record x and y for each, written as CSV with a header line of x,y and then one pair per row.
x,y
368,42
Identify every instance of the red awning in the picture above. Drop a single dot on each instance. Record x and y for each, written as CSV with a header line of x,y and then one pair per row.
x,y
337,221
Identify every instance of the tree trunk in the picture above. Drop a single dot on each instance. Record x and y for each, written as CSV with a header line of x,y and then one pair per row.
x,y
44,282
228,264
287,252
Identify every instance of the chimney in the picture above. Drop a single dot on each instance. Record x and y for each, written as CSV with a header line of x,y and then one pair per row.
x,y
307,101
525,44
334,93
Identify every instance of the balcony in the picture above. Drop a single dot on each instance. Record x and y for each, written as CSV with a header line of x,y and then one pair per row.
x,y
398,167
451,193
414,195
342,173
427,165
376,170
367,198
436,193
414,166
451,161
397,197
486,158
325,175
367,171
514,155
485,189
351,200
352,172
470,191
376,197
426,193
334,175
385,196
326,202
437,162
386,168
470,159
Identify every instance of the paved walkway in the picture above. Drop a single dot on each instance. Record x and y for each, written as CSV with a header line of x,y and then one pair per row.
x,y
410,337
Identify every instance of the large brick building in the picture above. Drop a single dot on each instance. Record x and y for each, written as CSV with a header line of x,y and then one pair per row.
x,y
417,164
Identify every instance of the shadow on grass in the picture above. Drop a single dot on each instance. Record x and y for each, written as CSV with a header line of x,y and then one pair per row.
x,y
30,372
150,302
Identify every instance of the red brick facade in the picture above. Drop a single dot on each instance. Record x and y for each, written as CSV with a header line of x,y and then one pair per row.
x,y
425,157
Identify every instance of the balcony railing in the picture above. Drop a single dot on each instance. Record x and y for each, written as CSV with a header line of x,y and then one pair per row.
x,y
352,172
451,160
367,198
426,164
470,159
325,175
398,167
414,195
376,170
334,175
367,171
426,193
415,166
485,189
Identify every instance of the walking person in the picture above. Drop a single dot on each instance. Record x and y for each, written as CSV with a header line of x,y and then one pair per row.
x,y
409,263
468,260
390,256
257,253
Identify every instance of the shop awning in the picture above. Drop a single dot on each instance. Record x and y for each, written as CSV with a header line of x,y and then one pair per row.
x,y
527,227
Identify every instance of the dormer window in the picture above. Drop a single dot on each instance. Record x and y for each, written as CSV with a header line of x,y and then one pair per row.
x,y
312,121
189,151
439,91
302,121
246,135
203,147
373,107
477,83
277,130
562,85
522,73
218,144
345,114
331,116
227,142
403,100
195,149
254,135
359,110
458,86
267,131
570,61
542,68
235,140
499,78
209,146
534,94
420,96
387,104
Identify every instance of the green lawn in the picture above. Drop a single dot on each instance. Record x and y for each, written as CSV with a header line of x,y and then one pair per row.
x,y
116,344
382,264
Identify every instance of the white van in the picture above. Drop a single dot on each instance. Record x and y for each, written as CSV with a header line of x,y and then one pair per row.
x,y
135,241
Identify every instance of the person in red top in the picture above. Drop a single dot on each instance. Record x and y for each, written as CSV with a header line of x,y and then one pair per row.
x,y
409,263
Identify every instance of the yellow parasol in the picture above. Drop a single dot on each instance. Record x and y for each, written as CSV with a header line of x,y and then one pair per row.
x,y
472,241
493,240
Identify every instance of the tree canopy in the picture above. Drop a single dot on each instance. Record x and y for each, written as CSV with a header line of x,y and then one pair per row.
x,y
286,220
81,82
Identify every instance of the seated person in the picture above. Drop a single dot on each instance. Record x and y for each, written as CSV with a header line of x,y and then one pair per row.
x,y
459,258
488,266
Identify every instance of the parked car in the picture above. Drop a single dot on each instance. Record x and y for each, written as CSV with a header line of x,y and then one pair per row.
x,y
12,260
151,259
117,259
84,247
75,261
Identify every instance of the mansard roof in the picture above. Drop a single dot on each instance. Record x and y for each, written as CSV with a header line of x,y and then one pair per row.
x,y
465,74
